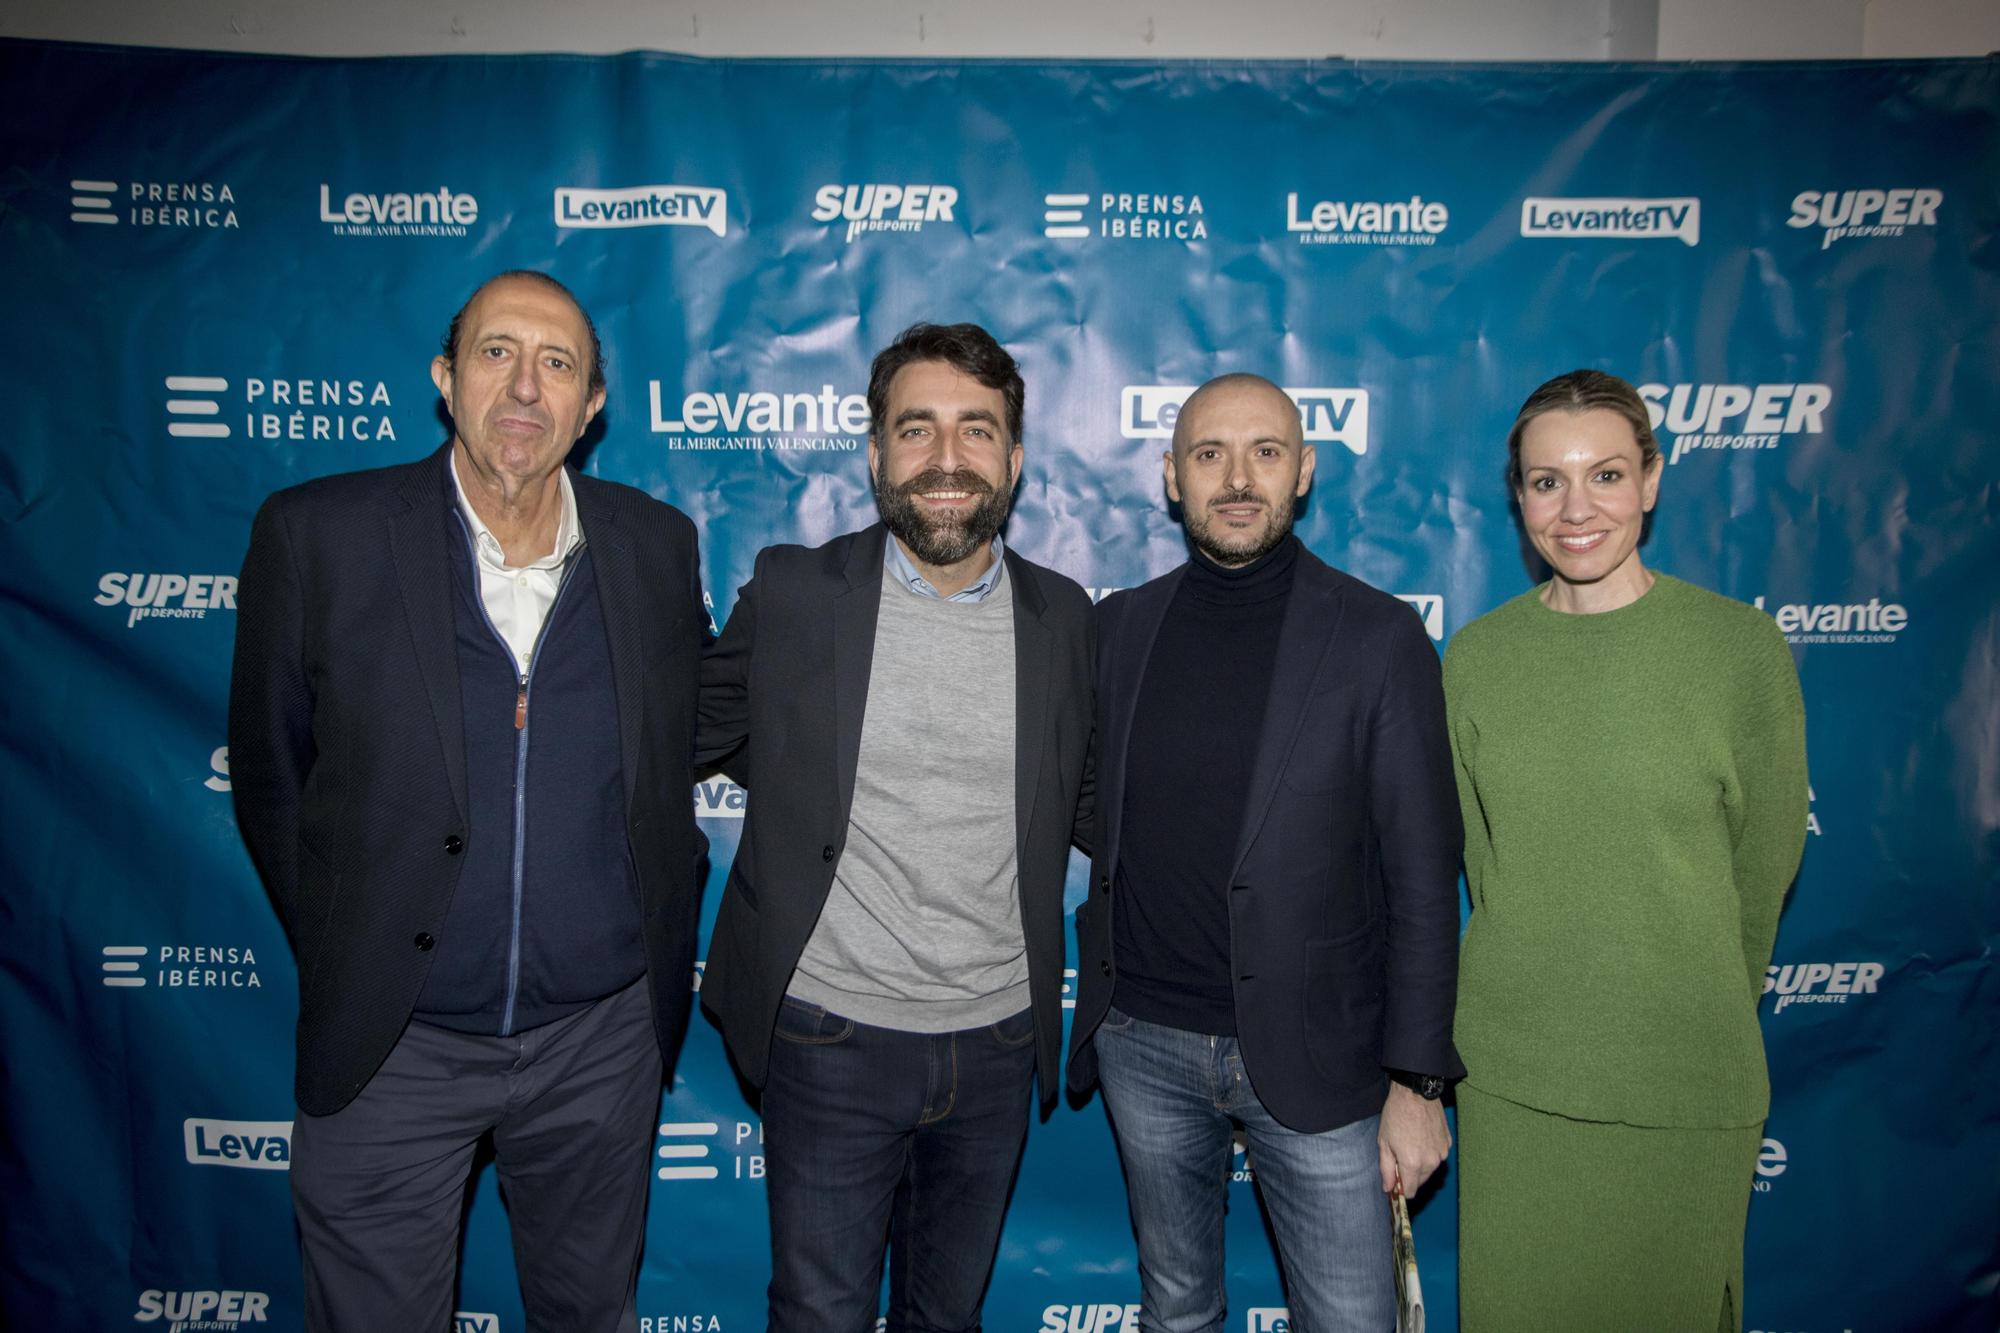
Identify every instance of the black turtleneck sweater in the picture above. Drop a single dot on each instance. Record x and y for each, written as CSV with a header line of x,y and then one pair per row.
x,y
1194,739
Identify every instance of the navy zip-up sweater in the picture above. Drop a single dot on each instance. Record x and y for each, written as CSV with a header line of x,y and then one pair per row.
x,y
545,918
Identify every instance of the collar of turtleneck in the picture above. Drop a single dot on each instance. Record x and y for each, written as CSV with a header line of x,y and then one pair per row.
x,y
1266,577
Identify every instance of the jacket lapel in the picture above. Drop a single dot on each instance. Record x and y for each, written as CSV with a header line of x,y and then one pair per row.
x,y
855,611
1134,648
1312,615
419,527
621,598
1033,647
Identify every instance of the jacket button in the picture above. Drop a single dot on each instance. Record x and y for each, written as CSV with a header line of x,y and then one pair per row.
x,y
424,941
453,844
1105,967
1104,883
826,852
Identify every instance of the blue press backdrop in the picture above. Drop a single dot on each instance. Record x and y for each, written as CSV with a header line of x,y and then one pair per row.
x,y
228,274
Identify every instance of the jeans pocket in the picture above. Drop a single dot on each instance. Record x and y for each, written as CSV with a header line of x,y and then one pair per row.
x,y
1116,1020
1016,1031
810,1025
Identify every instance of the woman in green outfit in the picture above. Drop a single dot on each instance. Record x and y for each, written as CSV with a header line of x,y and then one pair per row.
x,y
1631,763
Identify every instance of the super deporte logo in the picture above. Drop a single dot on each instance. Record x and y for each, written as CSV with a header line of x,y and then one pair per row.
x,y
1329,416
439,212
1848,214
166,596
1820,983
176,1310
884,207
579,206
1607,218
1734,416
828,420
1094,1317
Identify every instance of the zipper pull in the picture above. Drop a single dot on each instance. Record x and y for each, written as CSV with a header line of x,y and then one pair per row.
x,y
521,706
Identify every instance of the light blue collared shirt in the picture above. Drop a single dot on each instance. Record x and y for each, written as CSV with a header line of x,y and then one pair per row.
x,y
898,565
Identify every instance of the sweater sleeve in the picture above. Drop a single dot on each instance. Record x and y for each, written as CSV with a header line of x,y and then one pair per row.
x,y
1464,738
1769,833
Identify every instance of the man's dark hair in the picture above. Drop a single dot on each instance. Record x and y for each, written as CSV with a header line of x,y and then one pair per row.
x,y
969,348
450,344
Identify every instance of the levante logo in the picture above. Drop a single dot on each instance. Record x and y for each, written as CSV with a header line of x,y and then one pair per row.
x,y
828,420
1872,621
580,206
439,212
1412,221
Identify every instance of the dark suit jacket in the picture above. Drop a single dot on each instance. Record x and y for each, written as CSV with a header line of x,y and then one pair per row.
x,y
782,697
347,747
1343,903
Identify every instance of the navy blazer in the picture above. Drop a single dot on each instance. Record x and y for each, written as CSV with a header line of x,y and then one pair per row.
x,y
1343,897
347,743
783,696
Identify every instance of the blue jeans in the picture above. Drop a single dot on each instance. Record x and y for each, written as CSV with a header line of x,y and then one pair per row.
x,y
877,1137
1173,1097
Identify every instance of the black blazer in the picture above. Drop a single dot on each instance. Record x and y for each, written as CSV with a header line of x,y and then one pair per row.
x,y
1343,904
347,746
782,697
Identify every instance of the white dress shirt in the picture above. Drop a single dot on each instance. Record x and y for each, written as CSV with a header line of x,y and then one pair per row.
x,y
518,598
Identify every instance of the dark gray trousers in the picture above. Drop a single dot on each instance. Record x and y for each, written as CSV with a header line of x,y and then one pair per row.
x,y
379,1185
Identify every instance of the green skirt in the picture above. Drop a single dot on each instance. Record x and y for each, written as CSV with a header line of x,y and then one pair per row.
x,y
1572,1224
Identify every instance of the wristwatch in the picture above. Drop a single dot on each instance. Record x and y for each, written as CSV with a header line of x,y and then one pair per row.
x,y
1427,1086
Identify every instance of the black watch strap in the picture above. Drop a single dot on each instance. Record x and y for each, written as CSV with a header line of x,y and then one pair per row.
x,y
1427,1086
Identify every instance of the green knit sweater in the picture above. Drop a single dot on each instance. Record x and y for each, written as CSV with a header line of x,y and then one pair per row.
x,y
1634,789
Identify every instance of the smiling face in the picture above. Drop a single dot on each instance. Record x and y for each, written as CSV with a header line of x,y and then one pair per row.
x,y
519,393
1238,467
1585,492
944,468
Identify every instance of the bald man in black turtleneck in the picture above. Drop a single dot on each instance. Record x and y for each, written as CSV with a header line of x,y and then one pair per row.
x,y
1271,936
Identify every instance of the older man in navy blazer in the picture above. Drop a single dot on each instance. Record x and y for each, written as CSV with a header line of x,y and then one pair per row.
x,y
461,728
1271,935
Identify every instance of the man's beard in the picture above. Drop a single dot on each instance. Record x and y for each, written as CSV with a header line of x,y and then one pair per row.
x,y
942,540
1201,530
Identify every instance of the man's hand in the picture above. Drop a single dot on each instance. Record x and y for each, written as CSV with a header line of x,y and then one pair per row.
x,y
1413,1140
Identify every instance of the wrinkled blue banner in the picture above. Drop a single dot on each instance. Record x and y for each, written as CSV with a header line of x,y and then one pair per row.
x,y
228,274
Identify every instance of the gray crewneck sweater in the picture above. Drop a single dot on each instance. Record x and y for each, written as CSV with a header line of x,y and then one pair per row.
x,y
922,927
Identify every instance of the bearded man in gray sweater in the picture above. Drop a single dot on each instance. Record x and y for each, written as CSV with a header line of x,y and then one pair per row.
x,y
909,708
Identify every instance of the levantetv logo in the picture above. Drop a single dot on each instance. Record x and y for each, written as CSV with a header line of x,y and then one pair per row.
x,y
643,206
439,212
190,1310
262,1145
1329,416
1613,219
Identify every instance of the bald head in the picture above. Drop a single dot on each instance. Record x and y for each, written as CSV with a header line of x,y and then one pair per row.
x,y
1238,467
1228,398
